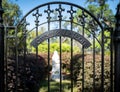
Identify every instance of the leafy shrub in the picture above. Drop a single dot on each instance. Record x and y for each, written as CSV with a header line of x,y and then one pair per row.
x,y
77,66
88,74
30,73
35,72
55,46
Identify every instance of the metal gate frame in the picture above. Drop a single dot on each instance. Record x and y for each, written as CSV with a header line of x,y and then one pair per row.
x,y
59,10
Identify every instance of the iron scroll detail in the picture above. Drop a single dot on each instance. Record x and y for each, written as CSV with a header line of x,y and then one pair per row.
x,y
61,32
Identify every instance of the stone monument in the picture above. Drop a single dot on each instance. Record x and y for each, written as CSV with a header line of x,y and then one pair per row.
x,y
55,75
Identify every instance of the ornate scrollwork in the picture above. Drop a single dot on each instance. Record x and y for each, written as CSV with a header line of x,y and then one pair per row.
x,y
24,25
62,32
82,18
49,11
37,15
71,11
60,10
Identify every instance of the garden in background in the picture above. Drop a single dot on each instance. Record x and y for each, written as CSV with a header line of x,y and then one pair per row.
x,y
35,74
32,70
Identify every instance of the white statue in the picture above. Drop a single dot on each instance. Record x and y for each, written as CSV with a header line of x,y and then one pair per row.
x,y
55,67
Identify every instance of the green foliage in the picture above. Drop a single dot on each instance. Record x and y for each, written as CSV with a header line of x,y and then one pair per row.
x,y
14,12
55,86
99,2
11,17
102,12
55,46
66,47
30,72
77,66
89,75
43,47
105,15
78,73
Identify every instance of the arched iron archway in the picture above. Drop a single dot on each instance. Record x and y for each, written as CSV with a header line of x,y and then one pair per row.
x,y
62,32
55,16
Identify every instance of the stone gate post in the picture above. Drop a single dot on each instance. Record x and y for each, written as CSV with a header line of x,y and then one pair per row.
x,y
117,50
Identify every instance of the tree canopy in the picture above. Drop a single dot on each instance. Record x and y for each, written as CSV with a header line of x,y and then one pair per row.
x,y
100,2
12,13
99,8
102,11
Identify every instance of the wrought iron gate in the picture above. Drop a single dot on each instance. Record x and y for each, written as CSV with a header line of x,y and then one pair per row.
x,y
90,56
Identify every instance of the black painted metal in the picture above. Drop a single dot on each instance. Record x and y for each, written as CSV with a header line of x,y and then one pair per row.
x,y
8,54
1,49
102,63
48,11
83,17
71,11
86,29
111,63
37,15
94,64
61,32
60,10
117,50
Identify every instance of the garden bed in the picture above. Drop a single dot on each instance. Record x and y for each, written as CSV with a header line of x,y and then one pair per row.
x,y
33,75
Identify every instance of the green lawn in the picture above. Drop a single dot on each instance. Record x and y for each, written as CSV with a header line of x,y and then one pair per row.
x,y
55,86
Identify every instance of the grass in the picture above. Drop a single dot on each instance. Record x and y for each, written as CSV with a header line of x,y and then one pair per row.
x,y
55,86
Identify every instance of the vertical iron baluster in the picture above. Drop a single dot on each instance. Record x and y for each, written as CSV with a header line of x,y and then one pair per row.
x,y
94,62
83,16
71,11
6,63
24,52
117,51
48,11
24,60
16,59
60,65
37,15
60,56
116,38
48,63
111,60
1,49
48,51
71,64
102,62
60,10
83,65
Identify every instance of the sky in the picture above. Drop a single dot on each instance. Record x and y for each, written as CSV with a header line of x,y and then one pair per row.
x,y
27,5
